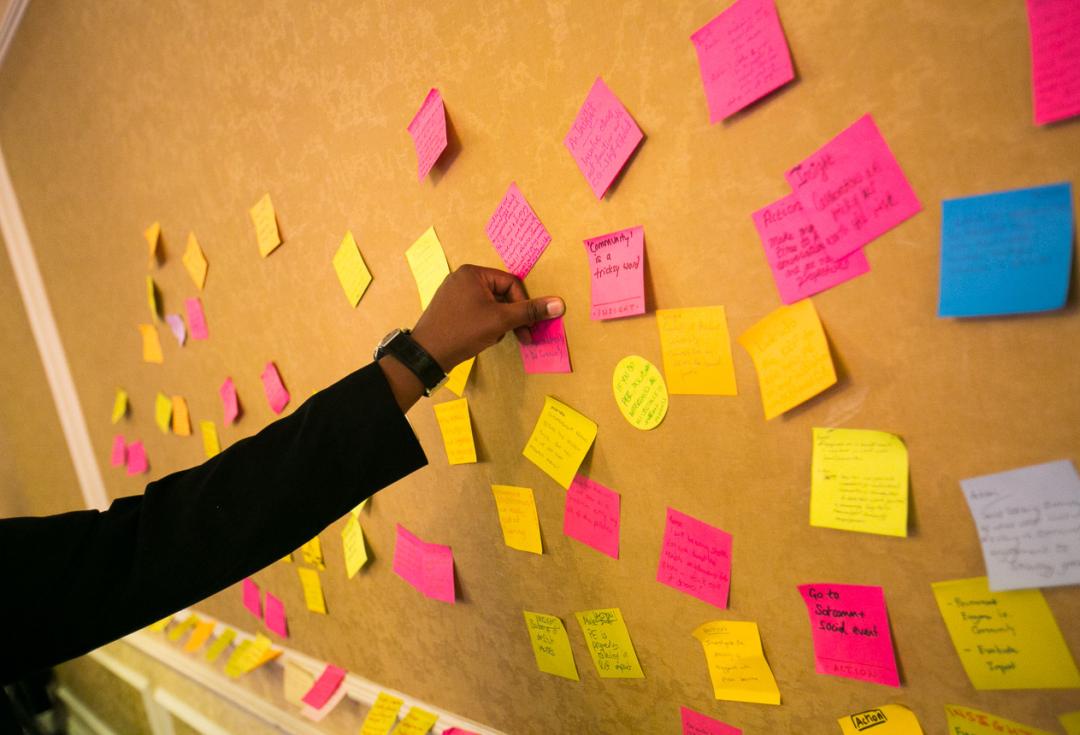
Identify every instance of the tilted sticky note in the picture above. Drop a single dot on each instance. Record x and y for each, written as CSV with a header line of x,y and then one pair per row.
x,y
456,429
602,138
427,567
517,233
318,714
324,687
275,616
152,299
211,445
199,636
695,723
264,218
1005,640
791,356
137,463
352,539
850,628
859,481
220,644
312,553
247,656
889,719
120,405
313,594
252,597
1055,47
163,407
559,441
547,351
276,395
737,663
151,345
179,631
427,261
617,273
696,349
352,271
118,454
695,558
428,131
196,318
181,420
459,376
383,714
551,645
195,261
160,625
152,234
176,326
1070,722
640,392
517,516
609,644
591,515
416,721
297,681
229,402
968,721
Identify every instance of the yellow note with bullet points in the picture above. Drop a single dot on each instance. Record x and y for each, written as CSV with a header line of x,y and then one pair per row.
x,y
120,405
352,271
211,446
859,481
352,538
456,429
181,420
264,218
195,261
313,594
551,645
559,441
151,345
163,407
427,261
517,516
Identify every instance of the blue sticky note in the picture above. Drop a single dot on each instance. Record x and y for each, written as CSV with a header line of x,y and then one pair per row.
x,y
1006,253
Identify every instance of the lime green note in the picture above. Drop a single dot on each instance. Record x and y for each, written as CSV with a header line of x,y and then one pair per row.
x,y
382,715
609,644
551,645
859,481
736,661
220,644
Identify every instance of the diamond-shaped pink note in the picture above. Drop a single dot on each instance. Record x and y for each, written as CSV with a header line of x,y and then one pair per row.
x,y
548,352
428,131
517,233
276,395
602,137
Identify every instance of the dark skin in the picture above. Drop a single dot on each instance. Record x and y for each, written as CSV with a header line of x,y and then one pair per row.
x,y
473,309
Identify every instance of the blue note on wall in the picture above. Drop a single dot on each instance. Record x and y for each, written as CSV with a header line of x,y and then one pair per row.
x,y
1006,253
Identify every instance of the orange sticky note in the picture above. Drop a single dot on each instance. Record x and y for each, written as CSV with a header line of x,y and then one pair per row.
x,y
151,345
195,261
264,218
181,421
199,636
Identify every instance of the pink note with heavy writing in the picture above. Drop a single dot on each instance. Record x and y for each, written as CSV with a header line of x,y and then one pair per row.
x,y
276,395
229,402
696,559
137,463
617,273
118,456
252,598
695,723
517,233
275,616
850,628
743,55
428,131
592,515
548,352
427,567
602,137
196,318
852,189
324,687
796,254
1055,58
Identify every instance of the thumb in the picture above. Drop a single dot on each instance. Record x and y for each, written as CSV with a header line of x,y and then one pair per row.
x,y
530,311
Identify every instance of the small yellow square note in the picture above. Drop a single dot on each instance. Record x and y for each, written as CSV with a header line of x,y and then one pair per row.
x,y
427,261
266,230
120,405
352,538
313,594
609,644
456,378
551,645
153,236
211,446
163,412
351,269
517,516
697,351
560,441
151,345
736,661
456,428
383,714
195,261
859,481
181,420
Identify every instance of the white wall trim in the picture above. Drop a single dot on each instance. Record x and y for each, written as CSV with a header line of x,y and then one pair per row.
x,y
9,24
183,711
83,718
160,722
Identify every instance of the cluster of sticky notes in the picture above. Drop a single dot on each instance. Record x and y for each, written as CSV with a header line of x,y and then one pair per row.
x,y
456,429
1055,48
250,655
591,515
427,261
736,662
274,388
889,719
130,456
352,271
547,351
602,138
428,567
640,392
382,715
608,641
617,273
696,351
517,517
559,441
850,628
428,131
695,558
551,645
517,233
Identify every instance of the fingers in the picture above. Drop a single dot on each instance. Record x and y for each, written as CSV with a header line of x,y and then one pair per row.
x,y
505,286
522,314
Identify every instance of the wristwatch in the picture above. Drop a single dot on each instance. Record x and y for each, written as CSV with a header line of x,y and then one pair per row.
x,y
401,345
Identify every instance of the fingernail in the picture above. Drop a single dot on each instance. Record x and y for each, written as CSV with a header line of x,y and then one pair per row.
x,y
555,307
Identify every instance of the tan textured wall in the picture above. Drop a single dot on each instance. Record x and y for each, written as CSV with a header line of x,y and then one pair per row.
x,y
115,114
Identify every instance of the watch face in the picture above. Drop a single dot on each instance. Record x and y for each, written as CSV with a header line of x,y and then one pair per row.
x,y
388,338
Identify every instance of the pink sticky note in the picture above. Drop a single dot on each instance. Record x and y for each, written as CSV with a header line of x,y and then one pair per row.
x,y
196,318
275,616
137,463
229,403
458,731
695,723
850,627
324,687
602,137
548,352
276,395
427,567
176,324
1055,58
696,559
743,56
252,598
592,515
408,557
799,263
852,189
319,714
517,233
118,456
428,131
617,273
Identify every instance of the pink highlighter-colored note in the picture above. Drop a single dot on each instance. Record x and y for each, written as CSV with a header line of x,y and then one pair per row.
x,y
602,138
196,318
592,515
548,352
275,616
696,559
229,402
850,628
796,254
517,233
458,731
176,324
408,557
852,189
252,598
276,395
617,273
695,723
427,567
428,131
1055,58
319,714
137,463
118,456
324,687
743,55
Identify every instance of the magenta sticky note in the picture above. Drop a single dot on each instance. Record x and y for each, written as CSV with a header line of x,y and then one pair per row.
x,y
517,233
427,567
118,455
428,131
252,597
548,352
695,723
743,55
695,558
176,325
137,463
196,318
1055,58
319,714
458,731
275,616
850,628
852,189
324,687
592,515
602,137
796,254
408,557
229,402
276,395
617,273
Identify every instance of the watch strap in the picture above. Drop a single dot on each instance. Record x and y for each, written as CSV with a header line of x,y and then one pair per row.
x,y
416,358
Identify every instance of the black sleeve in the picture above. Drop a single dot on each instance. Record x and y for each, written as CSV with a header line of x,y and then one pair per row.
x,y
76,581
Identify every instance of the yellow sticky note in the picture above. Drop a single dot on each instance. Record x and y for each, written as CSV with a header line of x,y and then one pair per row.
x,y
287,559
551,645
195,261
163,407
160,625
312,554
298,681
120,405
351,269
559,441
427,261
609,644
266,230
152,300
220,644
859,481
968,721
199,636
313,594
517,516
458,376
151,345
889,719
363,504
736,661
181,420
178,632
697,351
211,446
416,722
1070,722
640,392
352,539
247,656
791,356
383,714
153,236
1006,640
456,429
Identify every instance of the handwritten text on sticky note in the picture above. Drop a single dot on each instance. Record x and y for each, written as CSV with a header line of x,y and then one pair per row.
x,y
850,628
640,392
736,662
697,351
547,351
617,273
428,131
551,645
602,138
609,644
517,233
559,441
695,558
592,515
1055,48
517,517
456,429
